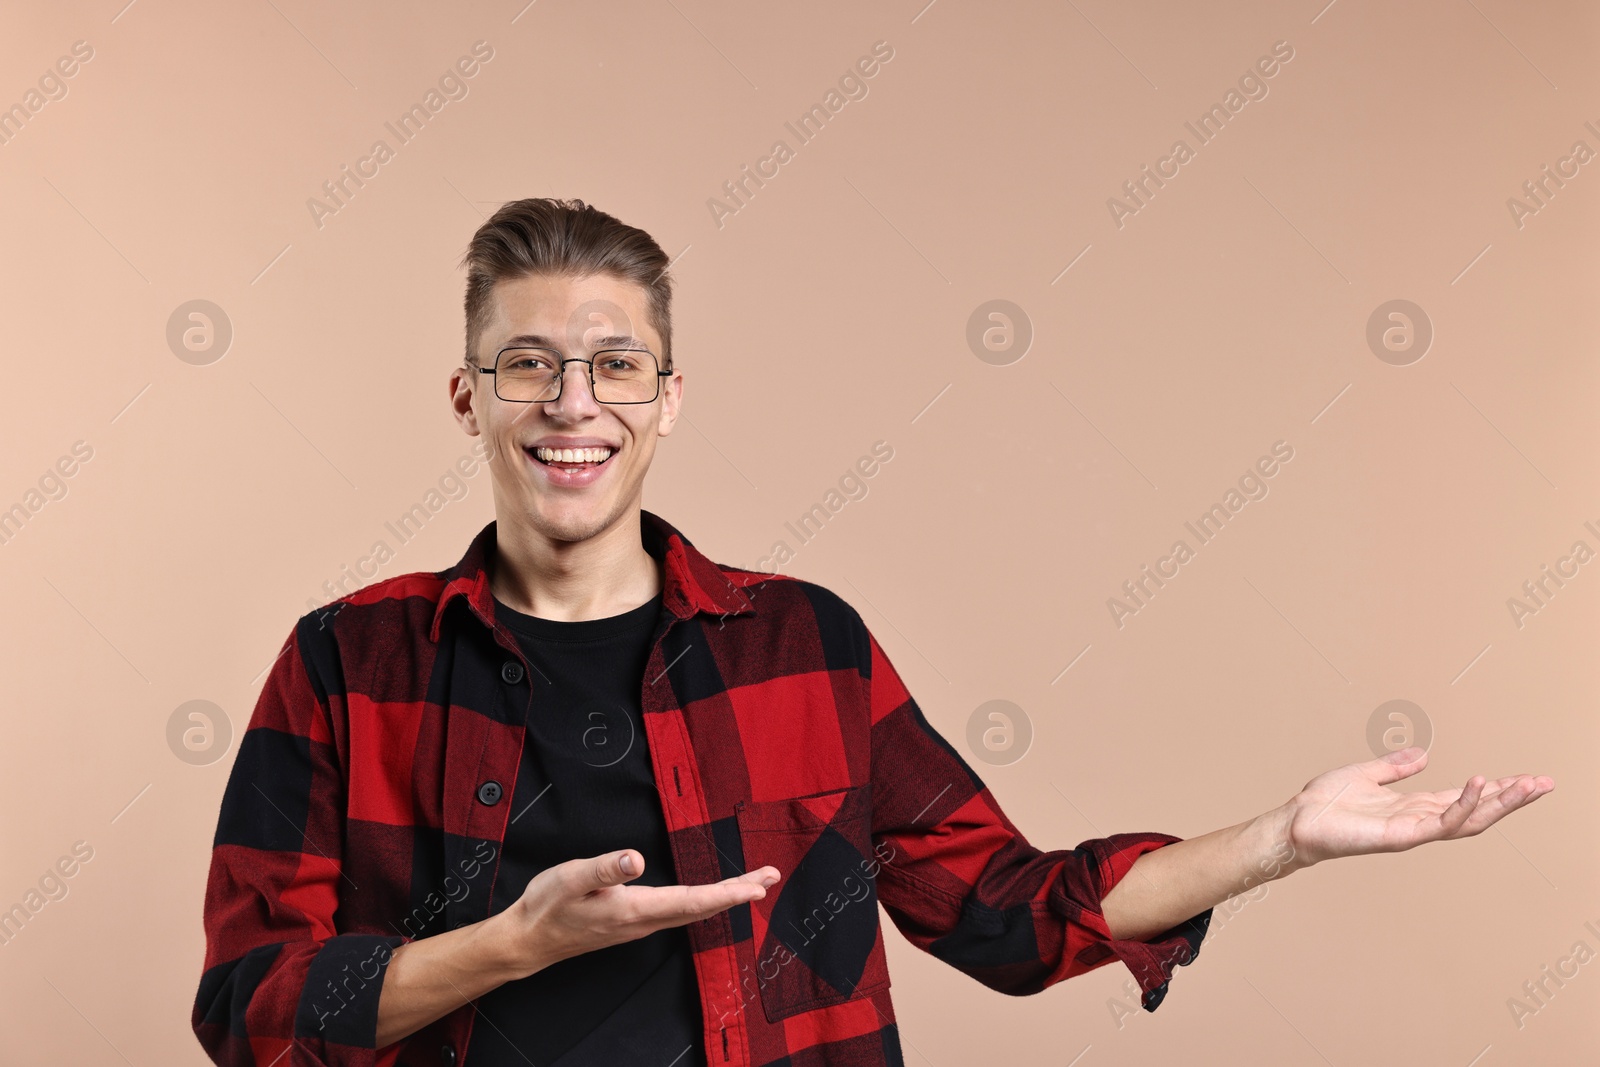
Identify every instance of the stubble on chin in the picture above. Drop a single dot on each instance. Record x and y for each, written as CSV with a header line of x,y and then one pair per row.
x,y
570,527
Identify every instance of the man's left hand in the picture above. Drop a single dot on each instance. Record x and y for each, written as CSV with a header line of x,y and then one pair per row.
x,y
1349,811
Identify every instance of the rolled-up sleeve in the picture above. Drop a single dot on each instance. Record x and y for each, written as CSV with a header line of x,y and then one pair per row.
x,y
961,882
278,975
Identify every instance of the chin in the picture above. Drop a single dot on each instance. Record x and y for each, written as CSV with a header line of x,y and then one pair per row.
x,y
571,521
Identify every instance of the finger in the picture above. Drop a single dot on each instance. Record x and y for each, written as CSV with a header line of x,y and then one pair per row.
x,y
1396,765
1494,788
676,905
613,868
763,876
1541,783
1453,818
740,889
1524,790
1491,789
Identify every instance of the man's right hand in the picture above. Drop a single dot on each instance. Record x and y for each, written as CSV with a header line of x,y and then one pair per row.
x,y
586,904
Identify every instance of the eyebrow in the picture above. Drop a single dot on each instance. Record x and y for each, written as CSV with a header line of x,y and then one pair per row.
x,y
539,340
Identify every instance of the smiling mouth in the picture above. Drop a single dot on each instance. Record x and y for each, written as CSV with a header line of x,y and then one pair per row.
x,y
571,459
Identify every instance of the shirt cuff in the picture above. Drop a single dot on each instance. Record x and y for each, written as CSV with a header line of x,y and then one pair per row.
x,y
1151,961
339,1002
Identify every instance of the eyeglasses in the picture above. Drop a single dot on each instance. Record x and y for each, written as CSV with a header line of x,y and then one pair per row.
x,y
616,376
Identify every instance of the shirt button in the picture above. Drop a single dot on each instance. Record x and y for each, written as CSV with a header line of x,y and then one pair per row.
x,y
511,672
489,793
447,1055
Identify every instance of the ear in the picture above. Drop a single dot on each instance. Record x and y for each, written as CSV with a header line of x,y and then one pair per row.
x,y
671,402
463,386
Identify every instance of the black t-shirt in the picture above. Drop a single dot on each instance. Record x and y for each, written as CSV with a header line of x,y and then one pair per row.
x,y
586,787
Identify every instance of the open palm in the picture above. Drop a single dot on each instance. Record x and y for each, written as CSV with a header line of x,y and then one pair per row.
x,y
1349,811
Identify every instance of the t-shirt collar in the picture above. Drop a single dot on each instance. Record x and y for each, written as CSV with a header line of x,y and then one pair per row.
x,y
691,582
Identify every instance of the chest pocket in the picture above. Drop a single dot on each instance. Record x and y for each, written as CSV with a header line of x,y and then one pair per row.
x,y
816,933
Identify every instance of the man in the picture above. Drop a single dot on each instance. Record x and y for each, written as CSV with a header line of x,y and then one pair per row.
x,y
588,797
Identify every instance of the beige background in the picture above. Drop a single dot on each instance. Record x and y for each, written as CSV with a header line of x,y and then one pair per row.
x,y
828,313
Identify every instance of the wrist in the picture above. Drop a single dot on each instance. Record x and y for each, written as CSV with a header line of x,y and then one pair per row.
x,y
1277,852
511,943
1288,822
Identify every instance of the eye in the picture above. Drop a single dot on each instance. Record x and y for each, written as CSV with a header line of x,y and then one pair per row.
x,y
523,361
618,361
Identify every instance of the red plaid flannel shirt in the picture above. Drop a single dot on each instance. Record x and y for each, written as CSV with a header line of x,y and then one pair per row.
x,y
354,820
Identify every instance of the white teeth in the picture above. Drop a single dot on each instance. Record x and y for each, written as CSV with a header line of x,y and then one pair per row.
x,y
573,455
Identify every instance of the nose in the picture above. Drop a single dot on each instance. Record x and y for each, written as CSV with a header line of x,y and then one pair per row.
x,y
577,398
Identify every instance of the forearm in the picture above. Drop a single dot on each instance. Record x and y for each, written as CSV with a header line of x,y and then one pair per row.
x,y
428,979
1178,881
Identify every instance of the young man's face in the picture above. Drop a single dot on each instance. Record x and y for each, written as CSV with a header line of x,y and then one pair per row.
x,y
577,317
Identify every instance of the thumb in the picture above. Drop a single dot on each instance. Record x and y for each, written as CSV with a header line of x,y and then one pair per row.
x,y
1402,763
617,867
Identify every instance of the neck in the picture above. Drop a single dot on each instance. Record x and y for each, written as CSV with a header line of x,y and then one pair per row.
x,y
571,581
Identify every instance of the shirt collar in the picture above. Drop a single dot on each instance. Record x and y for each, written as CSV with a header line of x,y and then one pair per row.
x,y
692,582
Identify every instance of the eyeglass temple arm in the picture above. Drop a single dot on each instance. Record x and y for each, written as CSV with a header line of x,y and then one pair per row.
x,y
659,373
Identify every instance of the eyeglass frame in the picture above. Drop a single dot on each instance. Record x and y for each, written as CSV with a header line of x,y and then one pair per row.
x,y
561,375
